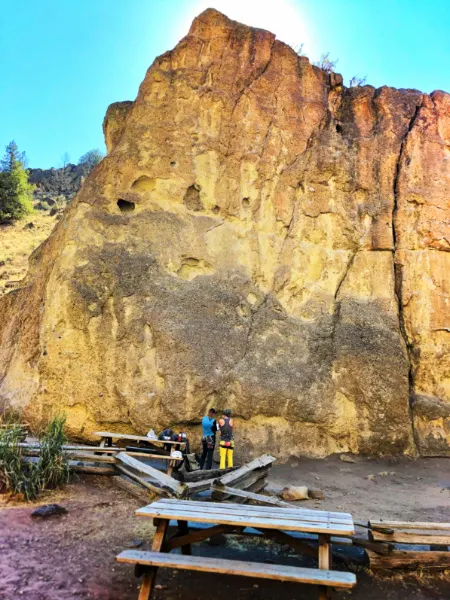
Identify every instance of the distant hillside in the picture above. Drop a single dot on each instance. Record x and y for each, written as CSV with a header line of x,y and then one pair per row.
x,y
57,185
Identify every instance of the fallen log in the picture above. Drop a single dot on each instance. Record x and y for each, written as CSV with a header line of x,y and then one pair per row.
x,y
202,475
166,482
258,498
406,559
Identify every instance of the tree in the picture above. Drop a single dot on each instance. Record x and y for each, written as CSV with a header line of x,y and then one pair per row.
x,y
15,191
91,159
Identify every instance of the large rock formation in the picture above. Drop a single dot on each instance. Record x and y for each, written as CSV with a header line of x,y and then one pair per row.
x,y
260,237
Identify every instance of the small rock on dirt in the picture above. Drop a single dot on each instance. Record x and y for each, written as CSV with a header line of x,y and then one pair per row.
x,y
347,458
49,510
135,544
294,492
316,494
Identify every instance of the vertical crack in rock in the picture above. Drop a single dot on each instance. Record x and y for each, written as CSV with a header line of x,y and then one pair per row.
x,y
337,305
398,275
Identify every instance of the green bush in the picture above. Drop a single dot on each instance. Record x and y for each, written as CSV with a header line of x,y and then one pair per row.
x,y
28,478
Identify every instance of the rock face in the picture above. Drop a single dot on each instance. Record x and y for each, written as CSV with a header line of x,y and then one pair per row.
x,y
258,237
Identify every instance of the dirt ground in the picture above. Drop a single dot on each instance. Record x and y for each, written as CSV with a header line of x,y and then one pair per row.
x,y
73,556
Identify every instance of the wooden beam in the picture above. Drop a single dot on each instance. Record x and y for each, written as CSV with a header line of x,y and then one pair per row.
x,y
408,537
262,461
196,536
285,539
200,475
166,482
132,488
382,525
141,481
259,498
406,559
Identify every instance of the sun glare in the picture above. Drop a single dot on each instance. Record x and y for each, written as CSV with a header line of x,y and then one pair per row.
x,y
281,17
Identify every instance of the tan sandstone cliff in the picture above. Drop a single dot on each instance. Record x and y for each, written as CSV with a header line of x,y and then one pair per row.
x,y
258,237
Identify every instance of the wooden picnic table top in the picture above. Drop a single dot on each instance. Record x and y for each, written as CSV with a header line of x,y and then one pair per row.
x,y
257,517
140,438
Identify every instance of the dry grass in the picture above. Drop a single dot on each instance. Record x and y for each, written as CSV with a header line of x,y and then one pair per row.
x,y
17,242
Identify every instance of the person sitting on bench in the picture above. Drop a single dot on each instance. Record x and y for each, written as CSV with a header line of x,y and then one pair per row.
x,y
226,426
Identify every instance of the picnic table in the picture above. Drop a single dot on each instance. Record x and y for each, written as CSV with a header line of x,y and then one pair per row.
x,y
279,524
107,437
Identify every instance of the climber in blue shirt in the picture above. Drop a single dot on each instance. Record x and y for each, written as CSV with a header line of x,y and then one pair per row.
x,y
208,439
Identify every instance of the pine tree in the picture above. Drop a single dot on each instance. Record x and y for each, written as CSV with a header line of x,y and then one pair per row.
x,y
15,191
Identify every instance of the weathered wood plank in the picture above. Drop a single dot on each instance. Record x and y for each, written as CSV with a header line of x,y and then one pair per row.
x,y
288,512
260,509
258,463
246,482
150,486
406,559
132,488
407,537
260,498
237,567
379,547
167,483
267,522
380,525
140,438
201,475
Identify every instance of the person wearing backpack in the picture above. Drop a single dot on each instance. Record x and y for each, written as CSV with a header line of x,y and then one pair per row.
x,y
226,445
209,428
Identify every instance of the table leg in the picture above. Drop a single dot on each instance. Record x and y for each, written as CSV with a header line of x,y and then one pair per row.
x,y
324,563
150,573
170,468
184,530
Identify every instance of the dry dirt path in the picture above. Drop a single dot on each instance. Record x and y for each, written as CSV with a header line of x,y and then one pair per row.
x,y
73,556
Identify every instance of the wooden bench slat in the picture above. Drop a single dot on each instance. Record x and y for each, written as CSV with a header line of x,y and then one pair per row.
x,y
250,508
252,521
409,525
238,567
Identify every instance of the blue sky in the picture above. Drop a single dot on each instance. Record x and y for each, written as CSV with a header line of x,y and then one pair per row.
x,y
64,61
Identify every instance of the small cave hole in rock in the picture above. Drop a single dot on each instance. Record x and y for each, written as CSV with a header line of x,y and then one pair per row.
x,y
125,205
339,128
192,198
246,202
173,163
216,210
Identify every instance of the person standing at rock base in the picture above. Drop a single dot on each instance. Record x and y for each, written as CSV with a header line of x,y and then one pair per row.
x,y
209,427
226,426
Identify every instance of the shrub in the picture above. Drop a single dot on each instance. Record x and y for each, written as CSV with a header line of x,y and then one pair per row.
x,y
28,478
53,468
91,159
357,81
326,63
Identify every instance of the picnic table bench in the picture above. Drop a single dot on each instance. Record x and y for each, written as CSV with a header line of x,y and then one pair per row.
x,y
272,522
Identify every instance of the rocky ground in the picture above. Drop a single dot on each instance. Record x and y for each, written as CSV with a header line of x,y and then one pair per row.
x,y
72,556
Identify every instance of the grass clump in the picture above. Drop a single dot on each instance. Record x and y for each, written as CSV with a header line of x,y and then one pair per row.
x,y
28,478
